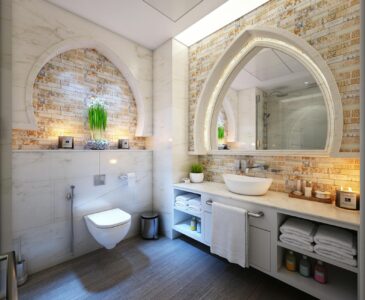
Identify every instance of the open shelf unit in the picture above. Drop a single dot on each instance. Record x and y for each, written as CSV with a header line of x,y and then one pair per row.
x,y
342,278
184,228
341,284
182,217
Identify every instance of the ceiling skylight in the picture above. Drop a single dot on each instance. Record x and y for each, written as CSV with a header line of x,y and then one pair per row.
x,y
221,16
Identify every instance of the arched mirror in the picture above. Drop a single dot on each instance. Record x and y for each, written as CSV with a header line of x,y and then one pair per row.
x,y
270,93
273,103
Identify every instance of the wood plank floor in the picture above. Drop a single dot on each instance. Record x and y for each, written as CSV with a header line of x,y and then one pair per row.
x,y
163,269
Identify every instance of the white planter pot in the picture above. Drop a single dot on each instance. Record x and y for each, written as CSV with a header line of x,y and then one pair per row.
x,y
196,177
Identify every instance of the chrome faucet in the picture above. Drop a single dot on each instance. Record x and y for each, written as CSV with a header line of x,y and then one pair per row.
x,y
247,165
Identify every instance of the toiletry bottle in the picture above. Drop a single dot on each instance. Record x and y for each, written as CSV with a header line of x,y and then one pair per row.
x,y
320,272
199,227
291,261
305,267
193,224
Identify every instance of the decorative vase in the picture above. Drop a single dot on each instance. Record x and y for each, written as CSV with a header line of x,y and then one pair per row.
x,y
97,145
196,177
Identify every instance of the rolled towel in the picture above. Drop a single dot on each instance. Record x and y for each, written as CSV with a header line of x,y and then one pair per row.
x,y
336,237
335,256
294,241
303,228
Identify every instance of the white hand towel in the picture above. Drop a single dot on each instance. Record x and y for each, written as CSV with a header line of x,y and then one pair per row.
x,y
291,240
303,228
335,256
335,236
230,233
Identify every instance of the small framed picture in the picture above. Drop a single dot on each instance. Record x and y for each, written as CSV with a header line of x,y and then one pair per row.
x,y
65,142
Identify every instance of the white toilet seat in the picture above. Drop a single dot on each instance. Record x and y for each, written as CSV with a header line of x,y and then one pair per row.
x,y
108,227
109,218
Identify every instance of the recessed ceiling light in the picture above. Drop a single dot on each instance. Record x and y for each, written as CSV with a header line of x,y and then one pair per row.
x,y
218,18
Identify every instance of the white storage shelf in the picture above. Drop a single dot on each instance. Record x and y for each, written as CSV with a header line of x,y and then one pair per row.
x,y
318,257
341,284
184,228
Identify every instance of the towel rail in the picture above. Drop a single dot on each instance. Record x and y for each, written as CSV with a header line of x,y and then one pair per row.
x,y
256,214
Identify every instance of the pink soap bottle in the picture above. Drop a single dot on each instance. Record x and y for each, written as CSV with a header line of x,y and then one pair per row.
x,y
320,272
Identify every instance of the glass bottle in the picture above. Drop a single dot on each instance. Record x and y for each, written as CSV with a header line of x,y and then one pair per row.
x,y
193,224
320,272
304,267
291,261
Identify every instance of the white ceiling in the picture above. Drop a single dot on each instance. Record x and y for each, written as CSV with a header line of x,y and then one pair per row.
x,y
147,22
272,70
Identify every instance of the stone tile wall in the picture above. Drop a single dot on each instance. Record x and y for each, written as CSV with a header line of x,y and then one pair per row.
x,y
61,93
325,173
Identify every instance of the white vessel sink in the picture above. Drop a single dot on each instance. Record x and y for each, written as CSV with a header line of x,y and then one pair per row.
x,y
246,185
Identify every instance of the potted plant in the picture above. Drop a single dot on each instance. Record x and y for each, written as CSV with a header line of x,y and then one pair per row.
x,y
97,117
196,173
221,144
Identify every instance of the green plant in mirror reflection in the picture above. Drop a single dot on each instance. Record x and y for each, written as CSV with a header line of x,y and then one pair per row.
x,y
220,134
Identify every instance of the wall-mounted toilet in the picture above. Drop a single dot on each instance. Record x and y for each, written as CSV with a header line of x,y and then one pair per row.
x,y
108,227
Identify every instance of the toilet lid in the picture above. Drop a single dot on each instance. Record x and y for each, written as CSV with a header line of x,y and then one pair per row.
x,y
109,218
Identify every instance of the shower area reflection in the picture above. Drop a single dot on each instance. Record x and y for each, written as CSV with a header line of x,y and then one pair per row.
x,y
296,119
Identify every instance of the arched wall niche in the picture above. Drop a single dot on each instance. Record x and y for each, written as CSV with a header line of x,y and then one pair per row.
x,y
115,59
243,48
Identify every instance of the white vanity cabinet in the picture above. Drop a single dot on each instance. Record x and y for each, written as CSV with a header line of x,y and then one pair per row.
x,y
259,231
265,251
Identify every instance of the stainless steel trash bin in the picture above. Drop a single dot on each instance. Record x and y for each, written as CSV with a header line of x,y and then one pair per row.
x,y
149,225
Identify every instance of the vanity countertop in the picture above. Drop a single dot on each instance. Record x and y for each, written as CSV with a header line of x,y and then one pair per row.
x,y
279,201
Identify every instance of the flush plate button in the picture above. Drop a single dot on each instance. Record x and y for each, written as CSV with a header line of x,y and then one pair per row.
x,y
99,179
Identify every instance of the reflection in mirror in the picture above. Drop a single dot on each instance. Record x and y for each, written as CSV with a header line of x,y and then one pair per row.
x,y
273,103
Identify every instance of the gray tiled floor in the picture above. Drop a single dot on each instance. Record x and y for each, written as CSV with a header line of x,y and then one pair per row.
x,y
163,269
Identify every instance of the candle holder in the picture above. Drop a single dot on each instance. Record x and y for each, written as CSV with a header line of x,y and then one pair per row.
x,y
348,199
123,144
65,142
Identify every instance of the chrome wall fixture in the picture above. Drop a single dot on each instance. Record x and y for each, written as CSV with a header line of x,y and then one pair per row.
x,y
70,197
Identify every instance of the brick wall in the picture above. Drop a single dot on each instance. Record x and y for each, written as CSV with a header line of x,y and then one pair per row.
x,y
331,27
61,92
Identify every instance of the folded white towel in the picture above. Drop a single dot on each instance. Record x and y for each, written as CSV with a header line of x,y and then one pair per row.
x,y
181,203
303,228
193,208
230,233
194,202
335,256
336,237
331,249
292,240
186,197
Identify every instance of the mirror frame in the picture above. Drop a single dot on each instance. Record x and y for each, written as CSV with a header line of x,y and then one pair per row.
x,y
225,70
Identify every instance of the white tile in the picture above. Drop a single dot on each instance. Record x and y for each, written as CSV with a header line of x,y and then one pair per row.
x,y
31,166
74,164
32,204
